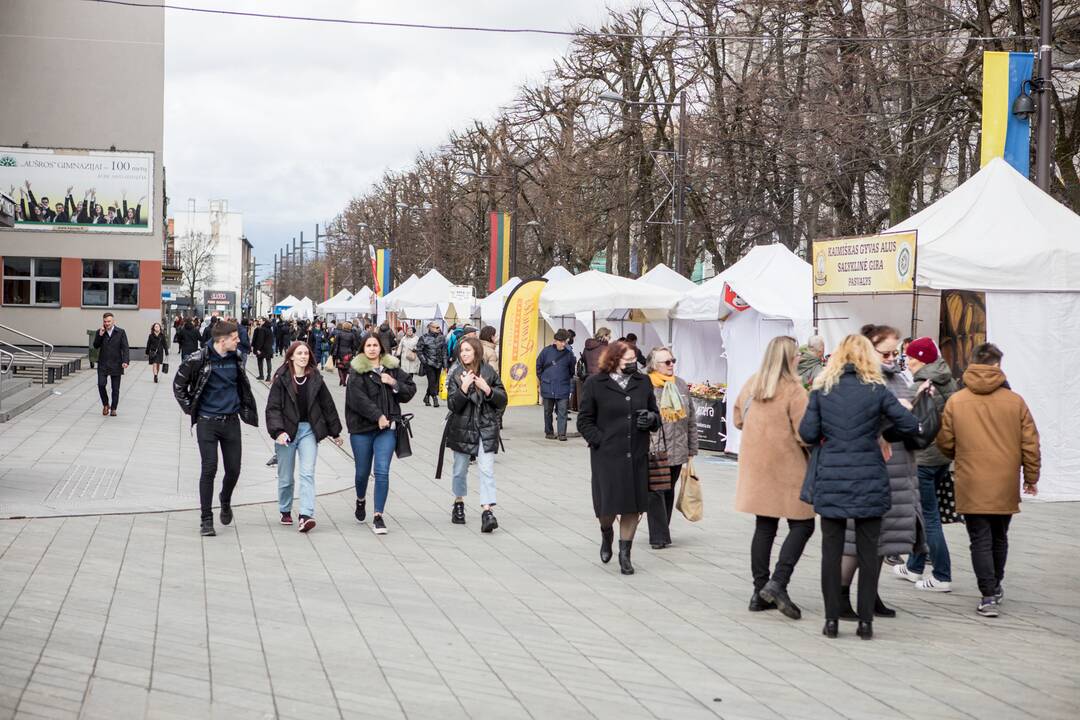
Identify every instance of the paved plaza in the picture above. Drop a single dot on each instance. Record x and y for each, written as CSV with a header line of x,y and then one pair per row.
x,y
113,606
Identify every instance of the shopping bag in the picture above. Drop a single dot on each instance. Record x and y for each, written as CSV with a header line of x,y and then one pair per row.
x,y
442,385
165,367
689,501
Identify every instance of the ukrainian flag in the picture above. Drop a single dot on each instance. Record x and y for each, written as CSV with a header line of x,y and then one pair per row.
x,y
1004,134
382,271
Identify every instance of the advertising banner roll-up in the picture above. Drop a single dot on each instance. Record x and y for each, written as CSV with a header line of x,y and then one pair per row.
x,y
83,190
869,264
519,342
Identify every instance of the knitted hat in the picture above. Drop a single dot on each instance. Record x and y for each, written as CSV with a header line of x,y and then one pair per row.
x,y
922,349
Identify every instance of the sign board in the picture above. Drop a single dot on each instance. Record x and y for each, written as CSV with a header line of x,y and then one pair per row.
x,y
462,295
7,211
167,295
711,424
868,264
519,344
83,190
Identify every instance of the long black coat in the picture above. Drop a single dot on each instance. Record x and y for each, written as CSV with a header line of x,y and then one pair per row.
x,y
157,347
113,352
262,340
367,397
187,337
283,412
850,480
619,452
474,417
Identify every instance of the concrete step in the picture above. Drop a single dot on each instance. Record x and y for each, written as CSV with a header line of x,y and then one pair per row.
x,y
22,401
12,385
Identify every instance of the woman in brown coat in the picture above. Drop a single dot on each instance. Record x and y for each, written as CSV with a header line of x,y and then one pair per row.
x,y
772,465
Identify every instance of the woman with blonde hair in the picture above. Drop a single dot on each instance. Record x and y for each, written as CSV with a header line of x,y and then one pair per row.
x,y
847,478
772,465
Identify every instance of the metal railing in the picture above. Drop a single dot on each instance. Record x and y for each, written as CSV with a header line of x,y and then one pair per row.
x,y
4,370
44,356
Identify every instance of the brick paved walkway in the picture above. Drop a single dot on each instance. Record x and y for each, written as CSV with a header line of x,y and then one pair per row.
x,y
135,615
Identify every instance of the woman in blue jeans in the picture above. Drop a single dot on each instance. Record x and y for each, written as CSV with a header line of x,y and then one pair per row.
x,y
300,412
376,388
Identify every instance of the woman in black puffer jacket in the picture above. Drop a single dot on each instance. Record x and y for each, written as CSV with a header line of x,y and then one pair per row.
x,y
850,481
476,397
300,413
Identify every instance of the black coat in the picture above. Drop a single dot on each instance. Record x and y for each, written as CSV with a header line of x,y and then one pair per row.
x,y
113,352
345,343
262,340
190,381
187,337
157,348
367,397
431,349
619,452
388,338
283,413
474,416
850,479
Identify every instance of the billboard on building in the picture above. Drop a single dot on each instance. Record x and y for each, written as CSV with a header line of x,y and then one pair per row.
x,y
84,190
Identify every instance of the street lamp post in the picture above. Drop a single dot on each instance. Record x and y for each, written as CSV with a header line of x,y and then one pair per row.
x,y
1042,140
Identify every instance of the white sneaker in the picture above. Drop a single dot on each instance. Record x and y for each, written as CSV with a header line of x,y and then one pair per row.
x,y
901,571
934,585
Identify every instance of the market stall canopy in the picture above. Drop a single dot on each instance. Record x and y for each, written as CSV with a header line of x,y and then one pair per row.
x,y
770,278
665,277
491,307
594,290
285,303
557,274
428,291
304,309
362,303
388,297
335,304
997,231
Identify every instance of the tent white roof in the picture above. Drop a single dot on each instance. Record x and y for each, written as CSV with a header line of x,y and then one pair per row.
x,y
429,290
396,292
594,290
302,310
997,231
771,278
361,303
491,307
336,303
287,302
665,277
557,274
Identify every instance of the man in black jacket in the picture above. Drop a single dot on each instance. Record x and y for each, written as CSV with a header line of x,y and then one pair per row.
x,y
212,387
431,347
262,344
113,358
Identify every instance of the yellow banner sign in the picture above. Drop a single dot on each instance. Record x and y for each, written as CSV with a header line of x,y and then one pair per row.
x,y
869,264
519,343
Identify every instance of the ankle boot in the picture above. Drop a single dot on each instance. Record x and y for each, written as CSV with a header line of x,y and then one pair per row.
x,y
866,630
846,611
831,629
624,557
880,610
607,535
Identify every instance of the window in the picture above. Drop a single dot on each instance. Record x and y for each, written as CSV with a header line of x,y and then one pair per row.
x,y
110,283
31,281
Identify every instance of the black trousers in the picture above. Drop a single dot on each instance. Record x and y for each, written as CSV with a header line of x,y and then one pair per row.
x,y
799,532
867,531
658,510
432,374
102,378
211,435
989,535
265,358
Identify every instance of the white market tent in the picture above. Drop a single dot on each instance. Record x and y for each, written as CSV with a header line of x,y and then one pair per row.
x,y
389,297
727,345
581,323
657,334
285,303
999,234
491,307
302,310
594,290
334,304
420,299
362,303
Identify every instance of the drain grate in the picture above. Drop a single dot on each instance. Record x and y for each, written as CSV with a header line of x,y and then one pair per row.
x,y
86,482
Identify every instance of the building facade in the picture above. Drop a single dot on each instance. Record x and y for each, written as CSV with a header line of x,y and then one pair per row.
x,y
81,141
219,232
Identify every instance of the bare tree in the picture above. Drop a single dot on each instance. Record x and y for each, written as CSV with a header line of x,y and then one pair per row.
x,y
196,257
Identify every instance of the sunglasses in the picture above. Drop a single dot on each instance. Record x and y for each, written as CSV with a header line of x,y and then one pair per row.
x,y
672,361
892,354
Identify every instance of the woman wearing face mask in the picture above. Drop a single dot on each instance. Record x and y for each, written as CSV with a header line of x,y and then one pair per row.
x,y
373,396
475,397
300,412
618,410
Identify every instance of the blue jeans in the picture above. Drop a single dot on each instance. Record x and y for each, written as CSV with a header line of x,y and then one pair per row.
x,y
935,536
560,406
377,446
304,445
323,356
485,463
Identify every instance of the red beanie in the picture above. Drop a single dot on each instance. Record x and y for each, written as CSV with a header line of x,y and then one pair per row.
x,y
922,349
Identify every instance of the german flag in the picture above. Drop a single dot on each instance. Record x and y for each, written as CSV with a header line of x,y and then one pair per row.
x,y
499,265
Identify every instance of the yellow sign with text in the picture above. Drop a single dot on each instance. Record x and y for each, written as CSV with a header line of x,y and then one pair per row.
x,y
519,343
869,264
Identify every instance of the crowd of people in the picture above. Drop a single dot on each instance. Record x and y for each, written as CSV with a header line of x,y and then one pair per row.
x,y
865,438
87,211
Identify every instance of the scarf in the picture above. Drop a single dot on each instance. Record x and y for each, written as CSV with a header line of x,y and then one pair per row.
x,y
671,404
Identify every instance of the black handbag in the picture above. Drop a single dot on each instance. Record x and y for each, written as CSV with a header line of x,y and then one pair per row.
x,y
402,436
165,367
925,410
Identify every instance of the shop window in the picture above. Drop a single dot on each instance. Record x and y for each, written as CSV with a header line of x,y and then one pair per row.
x,y
110,283
32,281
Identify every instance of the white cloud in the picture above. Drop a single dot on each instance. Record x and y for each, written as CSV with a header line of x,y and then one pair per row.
x,y
288,120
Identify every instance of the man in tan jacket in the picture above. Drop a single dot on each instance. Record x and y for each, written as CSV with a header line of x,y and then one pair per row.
x,y
989,432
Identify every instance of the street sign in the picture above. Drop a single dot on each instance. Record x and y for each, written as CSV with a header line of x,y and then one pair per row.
x,y
167,295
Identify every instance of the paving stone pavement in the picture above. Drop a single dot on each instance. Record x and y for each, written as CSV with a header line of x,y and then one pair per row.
x,y
134,615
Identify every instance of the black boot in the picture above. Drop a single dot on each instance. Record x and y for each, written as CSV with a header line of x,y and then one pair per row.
x,y
624,557
846,611
831,629
607,536
774,593
488,522
435,401
866,630
206,529
880,610
457,515
759,605
427,400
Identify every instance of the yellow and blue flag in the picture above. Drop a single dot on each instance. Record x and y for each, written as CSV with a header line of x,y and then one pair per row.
x,y
1004,134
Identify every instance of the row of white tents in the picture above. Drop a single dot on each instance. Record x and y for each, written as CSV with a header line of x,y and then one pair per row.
x,y
997,234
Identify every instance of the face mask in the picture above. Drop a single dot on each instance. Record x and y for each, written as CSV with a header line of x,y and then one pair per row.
x,y
629,368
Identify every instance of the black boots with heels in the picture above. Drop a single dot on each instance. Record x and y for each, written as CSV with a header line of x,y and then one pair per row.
x,y
624,557
607,535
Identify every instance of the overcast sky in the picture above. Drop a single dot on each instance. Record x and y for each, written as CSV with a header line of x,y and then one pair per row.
x,y
288,120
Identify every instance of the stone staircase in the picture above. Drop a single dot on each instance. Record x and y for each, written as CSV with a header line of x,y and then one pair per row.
x,y
21,386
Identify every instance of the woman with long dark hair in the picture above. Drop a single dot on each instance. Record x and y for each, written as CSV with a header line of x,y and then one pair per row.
x,y
618,411
344,348
376,388
300,413
157,348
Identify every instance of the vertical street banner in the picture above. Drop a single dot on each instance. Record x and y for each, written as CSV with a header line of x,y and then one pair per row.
x,y
374,271
382,269
1004,134
499,263
519,343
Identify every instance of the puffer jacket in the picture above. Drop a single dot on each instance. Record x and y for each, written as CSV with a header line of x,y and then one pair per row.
x,y
431,348
902,529
851,480
473,417
940,375
591,355
367,397
283,412
190,381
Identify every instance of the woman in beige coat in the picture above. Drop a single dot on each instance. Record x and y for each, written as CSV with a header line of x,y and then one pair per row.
x,y
772,465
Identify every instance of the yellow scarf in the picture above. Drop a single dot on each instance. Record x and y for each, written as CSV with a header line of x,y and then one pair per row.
x,y
671,405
